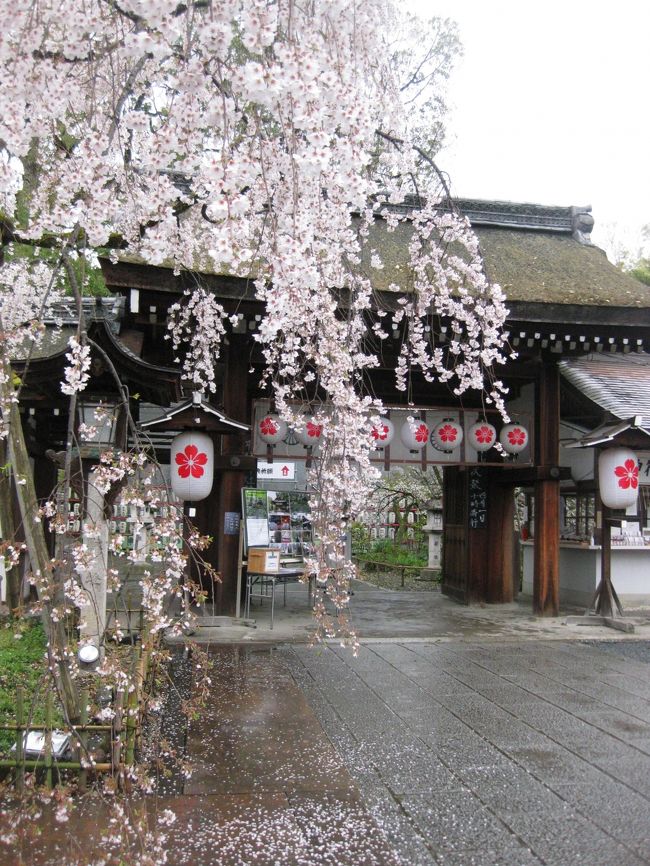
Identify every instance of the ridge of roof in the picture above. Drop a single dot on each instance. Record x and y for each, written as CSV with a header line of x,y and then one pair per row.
x,y
575,220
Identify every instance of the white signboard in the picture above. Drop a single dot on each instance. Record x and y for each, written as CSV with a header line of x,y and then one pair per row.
x,y
279,470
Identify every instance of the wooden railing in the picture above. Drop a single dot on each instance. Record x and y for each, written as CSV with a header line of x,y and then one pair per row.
x,y
122,734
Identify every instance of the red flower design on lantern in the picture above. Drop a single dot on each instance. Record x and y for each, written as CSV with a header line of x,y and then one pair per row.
x,y
422,433
313,430
484,434
628,475
447,433
191,461
268,427
380,432
517,436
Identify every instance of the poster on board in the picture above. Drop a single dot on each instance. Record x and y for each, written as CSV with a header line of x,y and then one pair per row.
x,y
279,519
255,508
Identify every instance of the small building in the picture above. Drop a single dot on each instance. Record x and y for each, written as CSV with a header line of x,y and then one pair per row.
x,y
568,308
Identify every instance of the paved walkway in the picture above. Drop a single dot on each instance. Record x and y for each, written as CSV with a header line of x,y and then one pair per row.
x,y
462,736
493,754
393,615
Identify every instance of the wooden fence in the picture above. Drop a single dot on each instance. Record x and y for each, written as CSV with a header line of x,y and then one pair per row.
x,y
122,733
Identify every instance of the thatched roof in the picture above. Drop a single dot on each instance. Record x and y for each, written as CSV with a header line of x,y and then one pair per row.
x,y
555,268
538,254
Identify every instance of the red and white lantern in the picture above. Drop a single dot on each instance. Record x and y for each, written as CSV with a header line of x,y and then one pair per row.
x,y
513,438
192,466
618,477
309,432
272,429
447,435
382,433
482,436
414,434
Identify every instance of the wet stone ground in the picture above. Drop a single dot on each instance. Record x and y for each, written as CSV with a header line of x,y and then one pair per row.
x,y
501,753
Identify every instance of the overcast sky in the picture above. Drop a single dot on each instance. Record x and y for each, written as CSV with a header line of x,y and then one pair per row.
x,y
552,105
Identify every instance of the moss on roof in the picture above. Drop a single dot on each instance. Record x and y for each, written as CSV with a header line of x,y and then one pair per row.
x,y
545,265
529,265
555,268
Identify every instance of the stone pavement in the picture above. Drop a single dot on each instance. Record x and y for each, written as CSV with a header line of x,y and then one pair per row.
x,y
458,736
385,614
499,754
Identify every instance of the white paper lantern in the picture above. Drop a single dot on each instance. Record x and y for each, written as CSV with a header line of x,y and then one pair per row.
x,y
482,436
272,429
309,432
447,435
382,433
192,466
414,434
618,477
514,438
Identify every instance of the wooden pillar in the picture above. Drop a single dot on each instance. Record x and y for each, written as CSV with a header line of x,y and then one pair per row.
x,y
546,579
500,550
236,406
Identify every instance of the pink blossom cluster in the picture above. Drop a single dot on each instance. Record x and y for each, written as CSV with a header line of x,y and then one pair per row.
x,y
262,139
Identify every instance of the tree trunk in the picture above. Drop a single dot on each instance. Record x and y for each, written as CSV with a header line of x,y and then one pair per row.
x,y
93,614
7,529
41,563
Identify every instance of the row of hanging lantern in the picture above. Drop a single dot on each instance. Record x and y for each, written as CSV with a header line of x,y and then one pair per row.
x,y
414,434
272,429
449,434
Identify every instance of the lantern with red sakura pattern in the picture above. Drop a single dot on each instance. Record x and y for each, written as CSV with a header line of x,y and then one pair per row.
x,y
482,436
308,431
618,477
382,433
447,435
272,429
513,438
192,466
414,434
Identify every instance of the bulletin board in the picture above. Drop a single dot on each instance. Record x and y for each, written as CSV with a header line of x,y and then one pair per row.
x,y
278,519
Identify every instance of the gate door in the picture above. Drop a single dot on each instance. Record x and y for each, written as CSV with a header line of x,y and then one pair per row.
x,y
455,546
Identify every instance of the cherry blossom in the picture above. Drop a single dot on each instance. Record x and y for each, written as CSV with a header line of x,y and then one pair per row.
x,y
484,434
260,142
191,462
517,436
628,475
448,433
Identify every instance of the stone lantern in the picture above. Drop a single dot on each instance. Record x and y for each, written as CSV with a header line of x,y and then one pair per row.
x,y
433,527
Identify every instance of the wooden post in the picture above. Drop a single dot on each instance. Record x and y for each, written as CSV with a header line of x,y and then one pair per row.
x,y
7,528
83,739
235,398
48,740
20,740
546,578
